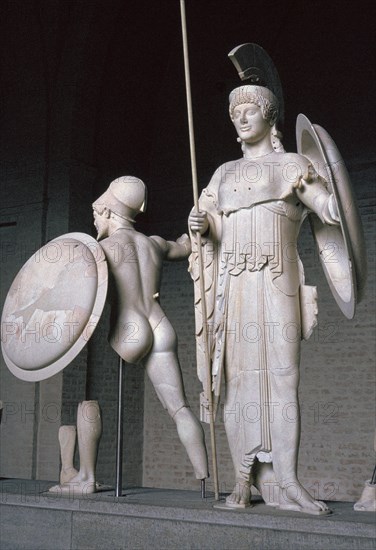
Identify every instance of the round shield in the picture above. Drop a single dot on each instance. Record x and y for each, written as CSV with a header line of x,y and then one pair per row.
x,y
53,306
341,248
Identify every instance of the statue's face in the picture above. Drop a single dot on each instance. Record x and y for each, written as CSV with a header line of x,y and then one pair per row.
x,y
249,123
101,224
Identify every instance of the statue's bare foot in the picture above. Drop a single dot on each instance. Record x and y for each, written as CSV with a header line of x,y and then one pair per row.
x,y
79,485
240,496
296,498
67,474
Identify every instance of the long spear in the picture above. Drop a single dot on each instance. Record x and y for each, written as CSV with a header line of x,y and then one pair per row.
x,y
209,392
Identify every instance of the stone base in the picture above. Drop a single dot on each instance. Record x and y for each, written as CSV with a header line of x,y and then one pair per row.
x,y
167,519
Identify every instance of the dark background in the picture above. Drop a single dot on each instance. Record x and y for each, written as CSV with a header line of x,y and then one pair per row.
x,y
323,52
129,82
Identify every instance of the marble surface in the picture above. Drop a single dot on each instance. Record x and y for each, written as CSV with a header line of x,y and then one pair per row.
x,y
53,306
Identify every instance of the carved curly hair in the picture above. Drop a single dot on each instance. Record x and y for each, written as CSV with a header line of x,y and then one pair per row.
x,y
258,95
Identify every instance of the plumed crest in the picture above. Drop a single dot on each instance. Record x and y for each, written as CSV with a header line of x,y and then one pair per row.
x,y
256,67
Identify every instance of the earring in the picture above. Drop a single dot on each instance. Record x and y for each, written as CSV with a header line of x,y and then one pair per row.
x,y
276,138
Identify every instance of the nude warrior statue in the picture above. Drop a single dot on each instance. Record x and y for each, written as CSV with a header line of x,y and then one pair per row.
x,y
257,303
140,331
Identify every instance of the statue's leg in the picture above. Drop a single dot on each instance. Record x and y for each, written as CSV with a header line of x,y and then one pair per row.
x,y
238,442
264,480
281,350
67,441
163,369
89,430
285,434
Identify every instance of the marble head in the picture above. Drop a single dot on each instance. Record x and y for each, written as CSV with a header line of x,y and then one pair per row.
x,y
258,95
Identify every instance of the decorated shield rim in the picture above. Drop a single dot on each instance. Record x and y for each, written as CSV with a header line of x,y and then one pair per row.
x,y
304,124
45,372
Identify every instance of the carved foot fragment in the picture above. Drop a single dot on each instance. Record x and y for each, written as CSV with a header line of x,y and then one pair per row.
x,y
77,486
367,502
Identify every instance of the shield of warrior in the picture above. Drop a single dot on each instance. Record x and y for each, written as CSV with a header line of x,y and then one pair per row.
x,y
341,248
53,306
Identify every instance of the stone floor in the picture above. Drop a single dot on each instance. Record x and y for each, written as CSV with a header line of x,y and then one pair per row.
x,y
167,519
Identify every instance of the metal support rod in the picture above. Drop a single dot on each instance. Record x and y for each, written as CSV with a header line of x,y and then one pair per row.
x,y
203,489
119,439
373,479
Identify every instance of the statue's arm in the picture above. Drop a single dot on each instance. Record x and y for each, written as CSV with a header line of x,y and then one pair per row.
x,y
174,250
312,191
179,249
203,221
